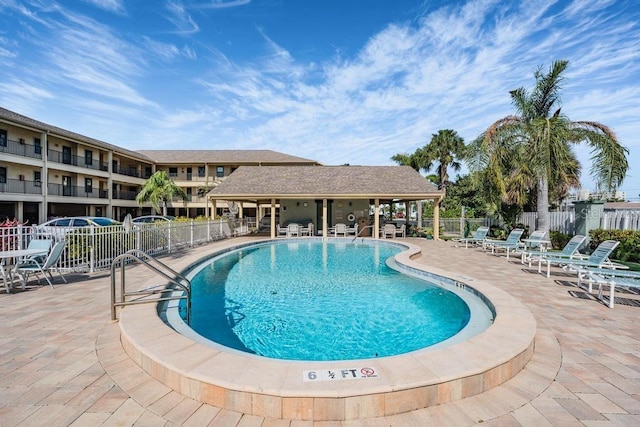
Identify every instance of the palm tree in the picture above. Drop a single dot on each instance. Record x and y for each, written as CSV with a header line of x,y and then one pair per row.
x,y
532,151
446,148
158,189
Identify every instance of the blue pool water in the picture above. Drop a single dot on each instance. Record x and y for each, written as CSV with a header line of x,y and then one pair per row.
x,y
319,300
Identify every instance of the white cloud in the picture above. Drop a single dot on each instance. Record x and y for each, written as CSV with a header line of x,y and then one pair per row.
x,y
115,6
180,18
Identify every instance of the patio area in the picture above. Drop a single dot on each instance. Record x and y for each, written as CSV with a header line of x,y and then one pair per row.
x,y
62,362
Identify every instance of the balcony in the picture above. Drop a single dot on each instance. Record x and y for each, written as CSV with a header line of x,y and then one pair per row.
x,y
124,195
128,171
73,191
17,186
20,148
71,159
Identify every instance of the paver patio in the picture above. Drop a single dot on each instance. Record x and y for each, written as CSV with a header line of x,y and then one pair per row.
x,y
61,362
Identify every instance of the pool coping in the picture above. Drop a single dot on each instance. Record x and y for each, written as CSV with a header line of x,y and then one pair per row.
x,y
277,389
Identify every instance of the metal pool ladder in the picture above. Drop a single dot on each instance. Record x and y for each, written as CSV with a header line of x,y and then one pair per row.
x,y
165,292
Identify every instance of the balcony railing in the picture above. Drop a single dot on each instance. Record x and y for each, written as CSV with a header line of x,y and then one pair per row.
x,y
73,191
17,186
72,159
129,171
19,148
124,195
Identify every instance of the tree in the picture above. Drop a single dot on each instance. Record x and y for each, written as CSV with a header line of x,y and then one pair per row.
x,y
529,155
445,148
158,189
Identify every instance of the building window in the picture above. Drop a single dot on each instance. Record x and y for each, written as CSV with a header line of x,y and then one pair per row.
x,y
220,171
37,178
173,172
3,138
200,171
88,157
88,185
3,175
37,146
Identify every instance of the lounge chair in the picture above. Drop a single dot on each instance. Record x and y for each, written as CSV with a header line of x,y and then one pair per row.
x,y
32,266
611,278
512,243
478,238
340,228
401,231
598,259
569,251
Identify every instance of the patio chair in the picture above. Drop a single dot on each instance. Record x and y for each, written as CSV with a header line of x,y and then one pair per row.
x,y
569,251
512,243
611,278
353,230
307,231
40,244
598,259
281,231
401,231
340,228
293,229
32,266
388,231
478,238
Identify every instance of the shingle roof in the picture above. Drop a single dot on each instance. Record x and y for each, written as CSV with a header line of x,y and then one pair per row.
x,y
385,182
41,126
235,157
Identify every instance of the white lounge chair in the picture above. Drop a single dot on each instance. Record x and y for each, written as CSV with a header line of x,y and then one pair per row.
x,y
612,278
512,243
478,238
569,251
401,231
598,259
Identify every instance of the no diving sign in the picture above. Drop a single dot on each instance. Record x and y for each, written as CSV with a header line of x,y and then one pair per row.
x,y
340,374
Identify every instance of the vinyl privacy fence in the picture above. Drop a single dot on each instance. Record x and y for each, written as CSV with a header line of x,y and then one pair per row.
x,y
565,222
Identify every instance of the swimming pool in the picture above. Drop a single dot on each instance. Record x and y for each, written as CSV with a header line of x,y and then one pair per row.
x,y
243,382
313,299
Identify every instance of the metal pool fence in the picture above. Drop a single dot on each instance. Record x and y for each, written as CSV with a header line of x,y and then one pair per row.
x,y
90,249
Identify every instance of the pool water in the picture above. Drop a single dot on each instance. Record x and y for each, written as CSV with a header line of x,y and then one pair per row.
x,y
320,300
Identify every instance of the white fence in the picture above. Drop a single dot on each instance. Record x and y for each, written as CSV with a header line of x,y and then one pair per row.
x,y
565,222
89,249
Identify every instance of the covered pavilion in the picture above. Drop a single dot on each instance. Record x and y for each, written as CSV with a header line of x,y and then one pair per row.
x,y
326,194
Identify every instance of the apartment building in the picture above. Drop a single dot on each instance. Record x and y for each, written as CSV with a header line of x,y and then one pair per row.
x,y
46,171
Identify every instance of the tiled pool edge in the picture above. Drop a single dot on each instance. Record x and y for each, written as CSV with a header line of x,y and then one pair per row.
x,y
275,388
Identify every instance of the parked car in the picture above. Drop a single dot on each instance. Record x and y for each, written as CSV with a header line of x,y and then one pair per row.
x,y
152,218
58,226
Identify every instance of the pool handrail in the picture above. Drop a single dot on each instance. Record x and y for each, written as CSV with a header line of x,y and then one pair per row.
x,y
175,278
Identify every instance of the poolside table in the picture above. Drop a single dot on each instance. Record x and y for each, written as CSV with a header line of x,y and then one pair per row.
x,y
7,276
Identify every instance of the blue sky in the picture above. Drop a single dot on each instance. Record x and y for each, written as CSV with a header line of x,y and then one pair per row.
x,y
336,81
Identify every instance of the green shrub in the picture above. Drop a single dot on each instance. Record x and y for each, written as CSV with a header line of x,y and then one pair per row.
x,y
627,250
558,239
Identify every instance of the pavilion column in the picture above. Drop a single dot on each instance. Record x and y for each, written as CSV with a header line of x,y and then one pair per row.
x,y
273,218
240,210
376,219
213,209
419,213
325,225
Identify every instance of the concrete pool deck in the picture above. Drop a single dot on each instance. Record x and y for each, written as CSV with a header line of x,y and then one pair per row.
x,y
63,364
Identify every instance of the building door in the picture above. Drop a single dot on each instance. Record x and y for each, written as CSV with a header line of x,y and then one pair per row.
x,y
67,189
66,155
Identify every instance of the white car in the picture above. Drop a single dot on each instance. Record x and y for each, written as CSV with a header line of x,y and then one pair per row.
x,y
152,218
59,226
